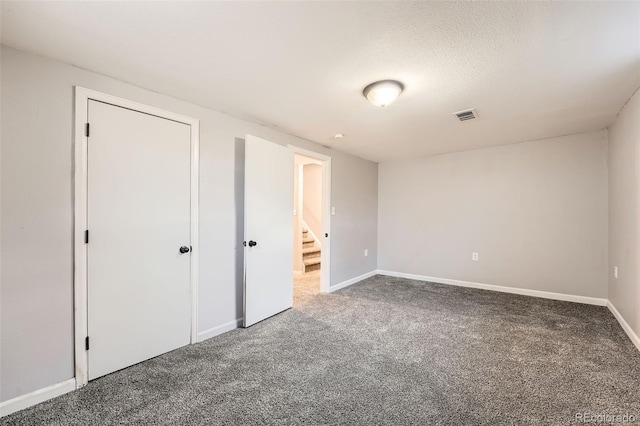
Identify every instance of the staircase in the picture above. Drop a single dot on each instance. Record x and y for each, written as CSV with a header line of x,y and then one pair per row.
x,y
310,253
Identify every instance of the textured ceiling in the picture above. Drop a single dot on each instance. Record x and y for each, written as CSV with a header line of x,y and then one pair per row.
x,y
531,69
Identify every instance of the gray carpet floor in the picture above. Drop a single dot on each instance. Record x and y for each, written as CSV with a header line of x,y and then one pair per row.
x,y
383,351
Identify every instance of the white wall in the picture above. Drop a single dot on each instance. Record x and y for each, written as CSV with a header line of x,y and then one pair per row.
x,y
297,229
36,221
357,217
624,160
536,212
312,198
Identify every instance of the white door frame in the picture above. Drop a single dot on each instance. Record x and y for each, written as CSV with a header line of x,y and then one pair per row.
x,y
82,97
325,257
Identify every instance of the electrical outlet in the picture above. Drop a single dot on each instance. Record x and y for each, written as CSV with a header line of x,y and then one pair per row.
x,y
615,272
366,252
474,256
333,211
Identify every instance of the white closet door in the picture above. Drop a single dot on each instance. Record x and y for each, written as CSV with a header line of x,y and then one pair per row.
x,y
138,216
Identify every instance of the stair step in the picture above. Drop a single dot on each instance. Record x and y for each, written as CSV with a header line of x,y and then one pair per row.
x,y
311,261
311,250
312,268
308,240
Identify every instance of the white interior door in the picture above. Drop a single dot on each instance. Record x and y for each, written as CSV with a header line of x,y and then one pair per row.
x,y
268,285
138,216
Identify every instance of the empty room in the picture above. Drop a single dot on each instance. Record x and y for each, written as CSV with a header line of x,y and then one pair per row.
x,y
319,213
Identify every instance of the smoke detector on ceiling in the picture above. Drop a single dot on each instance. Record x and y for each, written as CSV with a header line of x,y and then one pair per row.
x,y
467,114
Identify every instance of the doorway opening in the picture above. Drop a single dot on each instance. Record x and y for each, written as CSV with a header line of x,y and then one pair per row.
x,y
311,221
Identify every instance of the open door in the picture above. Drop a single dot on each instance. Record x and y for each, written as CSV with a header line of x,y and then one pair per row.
x,y
268,234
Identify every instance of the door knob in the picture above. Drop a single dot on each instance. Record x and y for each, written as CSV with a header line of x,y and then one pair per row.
x,y
252,243
185,249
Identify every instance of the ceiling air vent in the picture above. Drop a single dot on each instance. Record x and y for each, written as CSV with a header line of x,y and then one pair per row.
x,y
467,114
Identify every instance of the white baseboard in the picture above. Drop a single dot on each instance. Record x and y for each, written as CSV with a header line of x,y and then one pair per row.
x,y
36,397
503,289
216,331
625,326
347,283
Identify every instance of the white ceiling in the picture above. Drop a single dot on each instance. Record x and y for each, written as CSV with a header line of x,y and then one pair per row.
x,y
531,69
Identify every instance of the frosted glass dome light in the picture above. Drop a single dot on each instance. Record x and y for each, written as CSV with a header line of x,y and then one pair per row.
x,y
382,93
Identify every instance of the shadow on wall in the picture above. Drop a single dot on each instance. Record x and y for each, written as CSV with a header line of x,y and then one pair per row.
x,y
238,189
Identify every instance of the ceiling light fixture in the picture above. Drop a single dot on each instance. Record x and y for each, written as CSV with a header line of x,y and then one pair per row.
x,y
382,93
338,136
